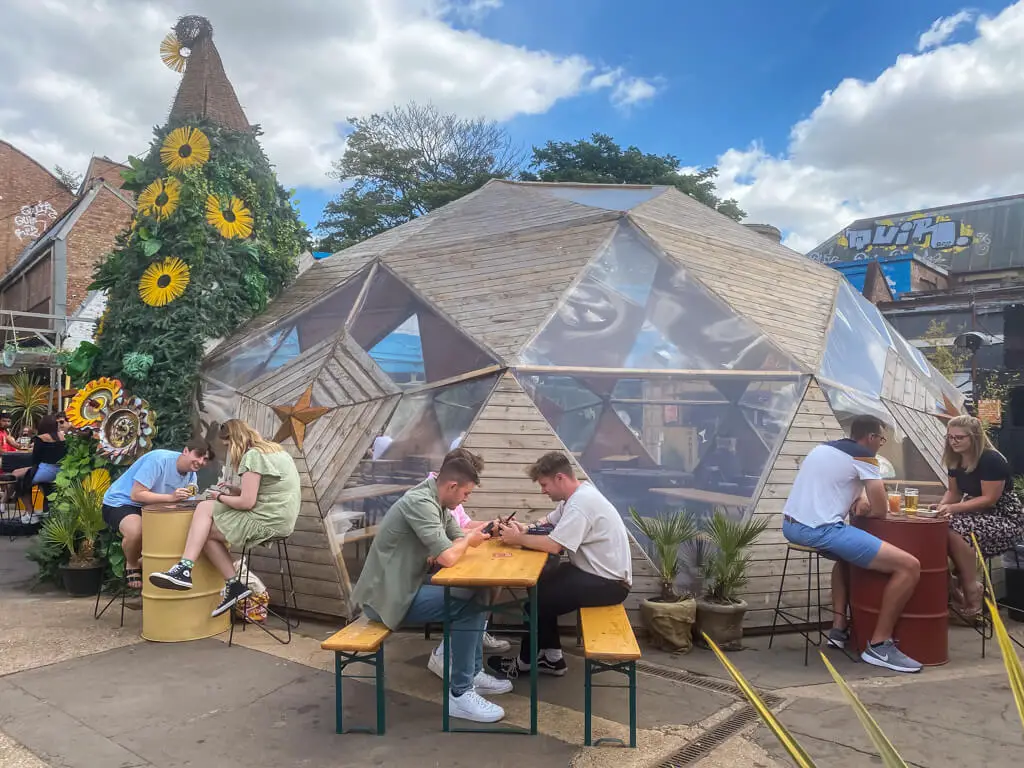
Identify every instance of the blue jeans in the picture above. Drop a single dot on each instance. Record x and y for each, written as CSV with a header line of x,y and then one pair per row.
x,y
468,615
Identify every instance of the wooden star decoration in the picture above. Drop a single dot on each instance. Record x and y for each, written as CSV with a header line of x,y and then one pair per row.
x,y
295,418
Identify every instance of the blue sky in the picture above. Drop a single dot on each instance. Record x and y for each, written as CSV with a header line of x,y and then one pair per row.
x,y
729,73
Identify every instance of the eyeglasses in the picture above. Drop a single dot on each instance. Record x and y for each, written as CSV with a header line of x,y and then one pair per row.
x,y
957,438
882,439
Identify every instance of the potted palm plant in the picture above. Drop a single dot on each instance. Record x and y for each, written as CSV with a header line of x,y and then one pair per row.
x,y
720,610
70,532
669,617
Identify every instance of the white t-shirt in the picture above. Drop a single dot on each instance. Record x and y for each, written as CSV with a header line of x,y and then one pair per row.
x,y
592,531
829,481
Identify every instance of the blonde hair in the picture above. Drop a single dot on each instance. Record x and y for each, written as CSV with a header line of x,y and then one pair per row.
x,y
968,460
240,438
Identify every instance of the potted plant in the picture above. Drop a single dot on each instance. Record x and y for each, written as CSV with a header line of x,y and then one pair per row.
x,y
29,400
720,610
669,617
70,532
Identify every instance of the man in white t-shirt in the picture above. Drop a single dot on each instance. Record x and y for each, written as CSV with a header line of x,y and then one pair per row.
x,y
835,479
600,567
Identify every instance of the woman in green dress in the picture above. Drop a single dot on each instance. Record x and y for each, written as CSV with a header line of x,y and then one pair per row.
x,y
265,506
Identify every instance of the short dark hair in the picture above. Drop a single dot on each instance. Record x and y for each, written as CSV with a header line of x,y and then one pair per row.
x,y
459,470
200,445
462,453
864,426
549,465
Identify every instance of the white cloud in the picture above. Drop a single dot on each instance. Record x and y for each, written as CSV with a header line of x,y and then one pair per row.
x,y
934,128
626,90
86,78
942,29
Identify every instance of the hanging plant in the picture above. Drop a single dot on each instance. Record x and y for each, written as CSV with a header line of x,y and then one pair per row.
x,y
232,221
159,199
185,148
163,282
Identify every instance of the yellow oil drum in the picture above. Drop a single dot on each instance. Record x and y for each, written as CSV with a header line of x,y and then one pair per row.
x,y
169,616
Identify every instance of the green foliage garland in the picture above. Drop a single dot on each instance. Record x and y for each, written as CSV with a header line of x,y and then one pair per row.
x,y
230,280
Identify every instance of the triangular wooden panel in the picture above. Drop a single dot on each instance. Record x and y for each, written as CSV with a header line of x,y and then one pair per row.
x,y
259,416
284,385
814,423
335,444
738,274
925,431
501,290
349,375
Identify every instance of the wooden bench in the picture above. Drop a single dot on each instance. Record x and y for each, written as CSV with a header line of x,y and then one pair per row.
x,y
359,642
609,645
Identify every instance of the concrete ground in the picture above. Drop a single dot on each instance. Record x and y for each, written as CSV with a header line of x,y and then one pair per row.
x,y
78,692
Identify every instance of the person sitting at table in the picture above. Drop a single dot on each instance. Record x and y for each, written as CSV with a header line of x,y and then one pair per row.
x,y
980,500
48,449
7,441
416,532
264,507
600,567
833,480
157,477
491,644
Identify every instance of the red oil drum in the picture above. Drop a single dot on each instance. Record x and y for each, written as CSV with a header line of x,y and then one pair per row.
x,y
923,629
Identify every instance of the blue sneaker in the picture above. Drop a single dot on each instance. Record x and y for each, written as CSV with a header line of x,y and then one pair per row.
x,y
887,655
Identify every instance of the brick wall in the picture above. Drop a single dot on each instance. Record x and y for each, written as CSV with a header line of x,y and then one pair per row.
x,y
924,278
106,169
23,182
92,238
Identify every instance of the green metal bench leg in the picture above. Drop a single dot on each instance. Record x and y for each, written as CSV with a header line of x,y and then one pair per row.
x,y
380,690
632,704
586,703
591,668
338,709
375,660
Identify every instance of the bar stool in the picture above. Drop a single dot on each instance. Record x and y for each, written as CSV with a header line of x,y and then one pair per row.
x,y
793,619
982,624
288,591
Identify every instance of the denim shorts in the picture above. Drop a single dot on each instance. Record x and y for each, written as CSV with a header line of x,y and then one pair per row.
x,y
842,541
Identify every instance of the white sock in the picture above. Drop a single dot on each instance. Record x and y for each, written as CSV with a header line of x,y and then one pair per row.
x,y
552,654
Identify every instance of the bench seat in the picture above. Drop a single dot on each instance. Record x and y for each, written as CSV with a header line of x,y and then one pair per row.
x,y
609,645
361,642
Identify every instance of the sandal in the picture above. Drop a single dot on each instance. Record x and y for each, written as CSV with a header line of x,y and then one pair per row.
x,y
133,578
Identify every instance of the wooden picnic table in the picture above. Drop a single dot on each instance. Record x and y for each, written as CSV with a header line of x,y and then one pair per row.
x,y
708,497
493,564
371,491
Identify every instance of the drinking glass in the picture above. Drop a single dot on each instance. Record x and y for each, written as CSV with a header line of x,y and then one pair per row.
x,y
910,500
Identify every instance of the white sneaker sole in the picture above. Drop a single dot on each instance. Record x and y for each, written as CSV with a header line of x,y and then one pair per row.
x,y
476,717
872,659
506,685
229,605
164,581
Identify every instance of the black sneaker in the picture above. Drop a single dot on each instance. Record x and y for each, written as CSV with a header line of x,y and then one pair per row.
x,y
509,666
233,592
178,577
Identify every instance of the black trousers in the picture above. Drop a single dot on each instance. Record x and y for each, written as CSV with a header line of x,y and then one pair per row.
x,y
564,590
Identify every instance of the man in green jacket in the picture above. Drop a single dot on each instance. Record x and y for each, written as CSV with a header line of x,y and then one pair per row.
x,y
416,533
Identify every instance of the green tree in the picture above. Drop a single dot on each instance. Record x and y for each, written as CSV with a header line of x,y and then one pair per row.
x,y
602,161
406,162
947,358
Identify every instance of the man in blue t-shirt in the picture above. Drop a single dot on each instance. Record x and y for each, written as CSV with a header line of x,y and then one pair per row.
x,y
158,477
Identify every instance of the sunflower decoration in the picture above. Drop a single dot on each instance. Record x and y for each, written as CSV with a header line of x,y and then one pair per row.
x,y
86,408
163,281
185,148
97,481
100,325
127,431
160,198
173,53
233,220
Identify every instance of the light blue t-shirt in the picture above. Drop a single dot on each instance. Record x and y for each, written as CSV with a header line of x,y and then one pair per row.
x,y
156,471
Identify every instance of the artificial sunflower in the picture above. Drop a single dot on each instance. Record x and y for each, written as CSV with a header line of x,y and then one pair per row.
x,y
173,53
97,481
163,281
160,198
185,148
86,407
234,221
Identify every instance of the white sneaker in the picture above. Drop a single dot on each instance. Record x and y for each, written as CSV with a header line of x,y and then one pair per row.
x,y
472,706
493,644
436,661
489,685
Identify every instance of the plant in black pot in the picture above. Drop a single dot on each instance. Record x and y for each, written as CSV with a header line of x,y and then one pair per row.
x,y
720,610
70,532
669,617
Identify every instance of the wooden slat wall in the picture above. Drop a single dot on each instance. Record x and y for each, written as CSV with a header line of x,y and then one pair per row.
x,y
510,434
723,260
925,431
501,290
814,423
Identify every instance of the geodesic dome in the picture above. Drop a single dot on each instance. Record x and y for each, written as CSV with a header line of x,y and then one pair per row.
x,y
682,359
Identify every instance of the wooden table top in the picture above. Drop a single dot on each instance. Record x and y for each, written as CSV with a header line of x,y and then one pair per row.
x,y
493,564
710,497
371,491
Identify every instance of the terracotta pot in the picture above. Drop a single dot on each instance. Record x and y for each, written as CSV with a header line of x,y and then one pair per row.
x,y
722,622
670,625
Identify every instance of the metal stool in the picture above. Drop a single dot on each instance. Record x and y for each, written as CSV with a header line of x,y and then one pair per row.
x,y
794,619
287,591
983,622
121,592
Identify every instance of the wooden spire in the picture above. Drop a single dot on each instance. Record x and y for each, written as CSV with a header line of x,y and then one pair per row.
x,y
205,91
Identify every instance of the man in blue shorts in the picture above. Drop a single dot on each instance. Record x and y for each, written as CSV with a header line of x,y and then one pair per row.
x,y
837,478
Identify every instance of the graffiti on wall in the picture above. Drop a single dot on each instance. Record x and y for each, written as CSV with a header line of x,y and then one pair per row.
x,y
939,233
33,220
